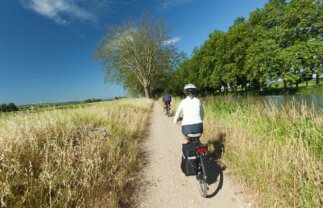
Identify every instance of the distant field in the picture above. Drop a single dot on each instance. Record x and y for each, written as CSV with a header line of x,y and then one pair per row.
x,y
55,106
87,156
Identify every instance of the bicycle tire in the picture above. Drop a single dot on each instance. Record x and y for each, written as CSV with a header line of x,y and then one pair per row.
x,y
167,111
202,179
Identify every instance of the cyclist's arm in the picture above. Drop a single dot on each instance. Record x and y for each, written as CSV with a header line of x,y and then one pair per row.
x,y
178,111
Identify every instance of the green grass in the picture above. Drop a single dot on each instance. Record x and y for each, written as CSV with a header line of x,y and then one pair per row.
x,y
83,157
311,88
278,89
276,152
303,90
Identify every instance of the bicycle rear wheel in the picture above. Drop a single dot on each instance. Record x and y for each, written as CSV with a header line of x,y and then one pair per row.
x,y
202,179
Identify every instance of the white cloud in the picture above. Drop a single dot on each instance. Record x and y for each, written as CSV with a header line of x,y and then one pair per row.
x,y
172,41
61,11
66,11
166,4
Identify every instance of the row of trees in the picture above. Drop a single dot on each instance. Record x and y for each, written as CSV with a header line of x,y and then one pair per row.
x,y
8,107
282,41
92,100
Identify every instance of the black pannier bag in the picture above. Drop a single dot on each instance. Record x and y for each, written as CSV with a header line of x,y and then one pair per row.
x,y
189,159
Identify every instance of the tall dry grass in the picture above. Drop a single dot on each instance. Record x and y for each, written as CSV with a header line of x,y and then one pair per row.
x,y
85,157
277,152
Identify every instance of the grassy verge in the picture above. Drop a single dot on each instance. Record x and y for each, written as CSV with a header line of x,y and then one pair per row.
x,y
84,157
303,90
276,152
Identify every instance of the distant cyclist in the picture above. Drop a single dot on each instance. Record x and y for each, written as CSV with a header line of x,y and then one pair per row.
x,y
167,100
193,112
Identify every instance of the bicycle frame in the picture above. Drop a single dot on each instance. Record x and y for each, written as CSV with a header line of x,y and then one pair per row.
x,y
167,109
201,161
200,150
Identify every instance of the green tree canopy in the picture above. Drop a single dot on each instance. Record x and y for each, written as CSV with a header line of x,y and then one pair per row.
x,y
283,40
138,54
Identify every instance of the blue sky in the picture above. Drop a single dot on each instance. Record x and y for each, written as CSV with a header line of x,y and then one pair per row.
x,y
46,46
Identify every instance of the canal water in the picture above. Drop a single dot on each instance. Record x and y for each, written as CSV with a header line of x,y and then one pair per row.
x,y
315,101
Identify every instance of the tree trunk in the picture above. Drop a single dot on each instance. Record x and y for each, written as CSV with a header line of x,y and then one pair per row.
x,y
285,84
147,92
317,77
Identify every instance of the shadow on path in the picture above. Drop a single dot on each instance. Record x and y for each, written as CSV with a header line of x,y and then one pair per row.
x,y
214,174
214,166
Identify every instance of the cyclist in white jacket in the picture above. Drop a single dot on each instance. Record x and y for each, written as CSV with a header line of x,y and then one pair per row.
x,y
193,112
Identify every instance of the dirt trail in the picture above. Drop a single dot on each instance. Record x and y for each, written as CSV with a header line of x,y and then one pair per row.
x,y
167,185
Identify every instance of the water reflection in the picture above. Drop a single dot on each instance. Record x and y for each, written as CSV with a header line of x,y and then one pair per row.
x,y
308,100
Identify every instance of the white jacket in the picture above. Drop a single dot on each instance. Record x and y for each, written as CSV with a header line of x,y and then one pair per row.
x,y
193,111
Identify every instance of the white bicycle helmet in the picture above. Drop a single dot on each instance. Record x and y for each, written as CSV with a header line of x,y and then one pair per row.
x,y
189,86
190,90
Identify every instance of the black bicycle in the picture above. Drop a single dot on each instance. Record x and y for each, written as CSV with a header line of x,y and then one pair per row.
x,y
201,151
167,110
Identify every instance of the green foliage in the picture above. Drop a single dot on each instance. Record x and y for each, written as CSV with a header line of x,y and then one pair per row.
x,y
282,41
8,107
139,55
93,100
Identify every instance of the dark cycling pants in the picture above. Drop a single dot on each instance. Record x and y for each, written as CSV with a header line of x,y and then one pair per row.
x,y
192,129
167,103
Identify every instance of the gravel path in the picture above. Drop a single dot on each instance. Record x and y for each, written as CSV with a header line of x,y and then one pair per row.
x,y
167,186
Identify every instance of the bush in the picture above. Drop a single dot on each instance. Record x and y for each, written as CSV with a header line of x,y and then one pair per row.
x,y
8,107
93,100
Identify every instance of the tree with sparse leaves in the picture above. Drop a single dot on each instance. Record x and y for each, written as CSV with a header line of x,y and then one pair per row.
x,y
138,54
